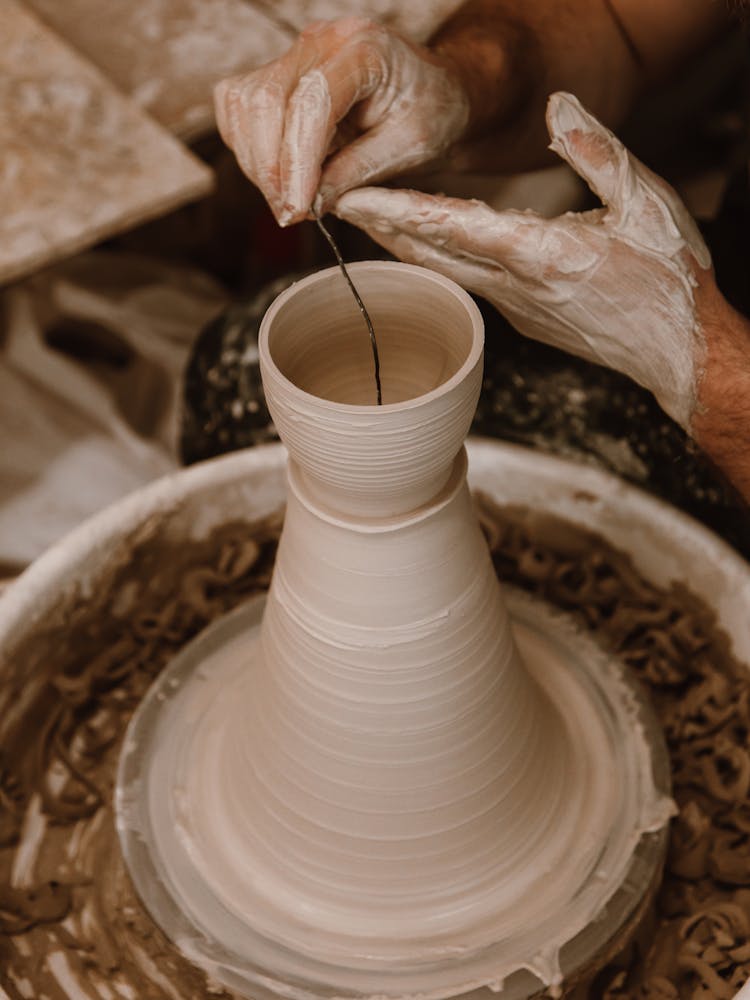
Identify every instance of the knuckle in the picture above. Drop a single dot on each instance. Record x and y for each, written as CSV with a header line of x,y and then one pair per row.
x,y
225,97
232,86
263,97
256,92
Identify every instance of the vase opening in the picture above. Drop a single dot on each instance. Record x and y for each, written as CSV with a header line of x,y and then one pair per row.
x,y
358,458
319,341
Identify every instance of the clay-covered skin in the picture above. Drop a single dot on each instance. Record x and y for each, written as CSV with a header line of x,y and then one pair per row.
x,y
70,924
282,119
615,285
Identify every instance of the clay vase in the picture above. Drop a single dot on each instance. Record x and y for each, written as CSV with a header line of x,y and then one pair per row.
x,y
390,787
394,706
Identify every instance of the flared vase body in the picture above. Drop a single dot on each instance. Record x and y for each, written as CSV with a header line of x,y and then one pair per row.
x,y
393,770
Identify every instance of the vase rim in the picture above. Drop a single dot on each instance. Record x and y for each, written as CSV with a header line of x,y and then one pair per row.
x,y
473,356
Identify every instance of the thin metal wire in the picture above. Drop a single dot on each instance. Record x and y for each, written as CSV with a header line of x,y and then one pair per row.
x,y
358,299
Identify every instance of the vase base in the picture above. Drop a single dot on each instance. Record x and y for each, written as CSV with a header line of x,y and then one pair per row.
x,y
236,955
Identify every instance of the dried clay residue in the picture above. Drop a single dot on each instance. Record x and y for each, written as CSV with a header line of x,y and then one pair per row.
x,y
70,923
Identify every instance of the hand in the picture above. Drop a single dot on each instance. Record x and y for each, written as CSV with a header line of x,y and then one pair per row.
x,y
284,119
615,286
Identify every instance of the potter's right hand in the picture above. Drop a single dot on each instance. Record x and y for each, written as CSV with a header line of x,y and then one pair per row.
x,y
350,76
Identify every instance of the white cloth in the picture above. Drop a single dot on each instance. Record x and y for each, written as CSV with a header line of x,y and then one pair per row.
x,y
91,360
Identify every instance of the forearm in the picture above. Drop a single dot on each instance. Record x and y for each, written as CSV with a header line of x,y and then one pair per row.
x,y
510,56
721,422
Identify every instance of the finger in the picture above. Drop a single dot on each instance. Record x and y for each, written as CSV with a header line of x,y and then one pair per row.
x,y
644,207
229,118
483,278
250,116
591,150
519,242
252,110
323,97
307,134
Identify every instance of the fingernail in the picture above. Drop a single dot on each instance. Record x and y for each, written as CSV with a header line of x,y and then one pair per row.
x,y
325,198
285,215
566,113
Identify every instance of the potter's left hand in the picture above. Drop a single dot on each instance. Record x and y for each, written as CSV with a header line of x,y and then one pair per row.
x,y
616,286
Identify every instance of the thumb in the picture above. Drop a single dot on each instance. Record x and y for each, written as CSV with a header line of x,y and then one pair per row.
x,y
640,201
591,150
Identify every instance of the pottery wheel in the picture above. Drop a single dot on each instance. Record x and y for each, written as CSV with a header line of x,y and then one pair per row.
x,y
77,659
577,676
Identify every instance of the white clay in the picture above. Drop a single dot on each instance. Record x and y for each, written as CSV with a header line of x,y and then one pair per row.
x,y
381,784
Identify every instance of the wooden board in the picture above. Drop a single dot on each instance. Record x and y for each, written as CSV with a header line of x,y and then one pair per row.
x,y
168,54
78,161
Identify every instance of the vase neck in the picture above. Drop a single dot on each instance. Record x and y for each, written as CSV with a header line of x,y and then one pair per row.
x,y
373,513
